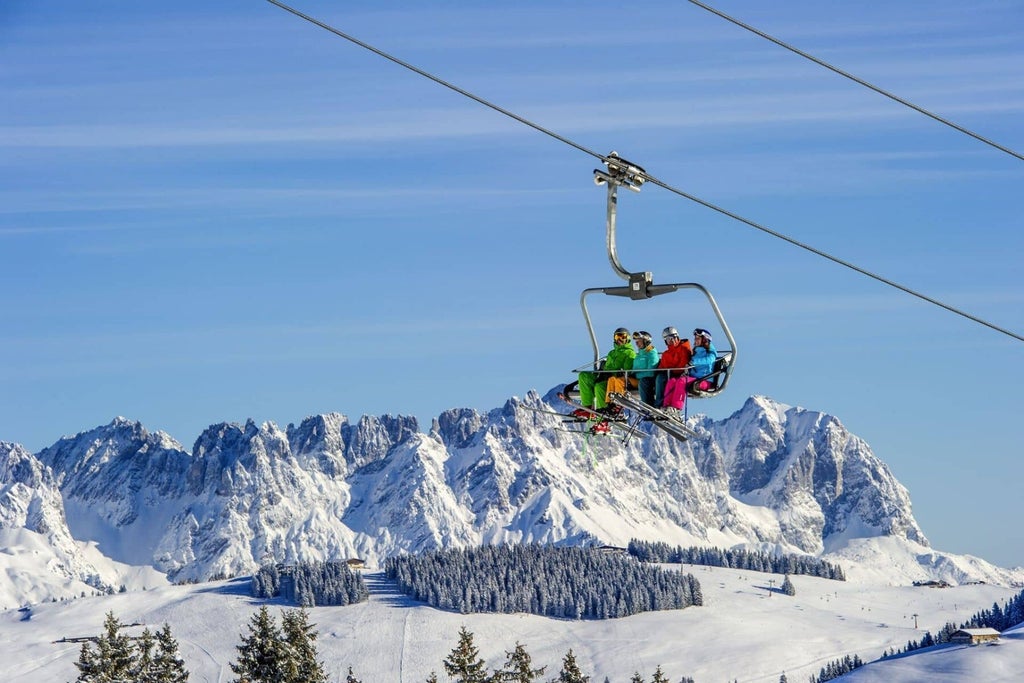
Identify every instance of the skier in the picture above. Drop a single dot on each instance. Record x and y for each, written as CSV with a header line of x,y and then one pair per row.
x,y
646,357
673,361
701,364
594,386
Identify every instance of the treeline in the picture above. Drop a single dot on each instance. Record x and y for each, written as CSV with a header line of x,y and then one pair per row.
x,y
464,665
837,668
999,618
574,583
287,653
149,658
754,560
308,584
267,654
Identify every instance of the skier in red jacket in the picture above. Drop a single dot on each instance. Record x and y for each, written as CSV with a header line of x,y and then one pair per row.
x,y
673,360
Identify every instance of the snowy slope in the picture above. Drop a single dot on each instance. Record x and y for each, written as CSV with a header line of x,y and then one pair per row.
x,y
992,662
742,633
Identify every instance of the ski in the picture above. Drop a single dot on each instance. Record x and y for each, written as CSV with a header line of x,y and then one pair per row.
x,y
617,424
587,432
566,417
573,420
658,417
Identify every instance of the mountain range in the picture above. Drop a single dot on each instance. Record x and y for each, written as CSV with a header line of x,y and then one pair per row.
x,y
121,506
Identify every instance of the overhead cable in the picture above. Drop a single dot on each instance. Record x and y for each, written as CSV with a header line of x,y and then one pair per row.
x,y
648,177
859,81
439,81
833,259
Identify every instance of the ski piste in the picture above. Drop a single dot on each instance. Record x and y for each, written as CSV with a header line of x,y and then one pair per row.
x,y
622,425
659,418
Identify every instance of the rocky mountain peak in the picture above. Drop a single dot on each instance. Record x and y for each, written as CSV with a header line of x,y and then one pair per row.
x,y
769,475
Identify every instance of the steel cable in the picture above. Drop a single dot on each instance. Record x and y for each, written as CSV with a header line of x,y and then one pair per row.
x,y
860,81
648,177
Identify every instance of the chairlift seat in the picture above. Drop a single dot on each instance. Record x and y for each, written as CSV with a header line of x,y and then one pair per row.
x,y
714,378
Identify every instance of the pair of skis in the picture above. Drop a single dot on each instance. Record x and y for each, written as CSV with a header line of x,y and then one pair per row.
x,y
619,428
668,423
618,424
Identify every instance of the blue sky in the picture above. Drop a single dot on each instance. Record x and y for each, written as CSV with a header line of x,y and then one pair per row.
x,y
215,211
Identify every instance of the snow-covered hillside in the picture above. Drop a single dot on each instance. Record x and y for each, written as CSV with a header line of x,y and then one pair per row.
x,y
743,632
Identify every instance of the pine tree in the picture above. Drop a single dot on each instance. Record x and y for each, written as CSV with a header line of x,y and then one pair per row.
x,y
145,666
262,657
783,679
113,660
659,677
518,667
464,663
787,586
88,665
351,677
116,649
570,672
432,678
167,665
300,636
637,678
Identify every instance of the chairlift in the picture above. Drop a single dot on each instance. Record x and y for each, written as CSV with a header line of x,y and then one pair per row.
x,y
640,285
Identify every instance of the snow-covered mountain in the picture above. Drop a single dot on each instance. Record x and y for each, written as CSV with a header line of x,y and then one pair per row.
x,y
769,476
40,557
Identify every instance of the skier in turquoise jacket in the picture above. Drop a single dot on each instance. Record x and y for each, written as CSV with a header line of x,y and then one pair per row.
x,y
646,357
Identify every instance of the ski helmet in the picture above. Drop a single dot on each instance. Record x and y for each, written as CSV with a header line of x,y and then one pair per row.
x,y
699,332
669,332
643,338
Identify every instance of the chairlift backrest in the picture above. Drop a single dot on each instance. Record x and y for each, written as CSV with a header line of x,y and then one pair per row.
x,y
716,380
726,361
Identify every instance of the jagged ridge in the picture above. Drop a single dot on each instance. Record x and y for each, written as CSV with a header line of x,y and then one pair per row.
x,y
769,476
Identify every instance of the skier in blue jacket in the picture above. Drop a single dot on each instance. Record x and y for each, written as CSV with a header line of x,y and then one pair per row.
x,y
702,363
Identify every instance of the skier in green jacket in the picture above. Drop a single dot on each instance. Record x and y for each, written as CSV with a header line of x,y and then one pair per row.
x,y
594,385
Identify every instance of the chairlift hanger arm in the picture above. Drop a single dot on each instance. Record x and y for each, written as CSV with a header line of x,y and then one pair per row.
x,y
626,174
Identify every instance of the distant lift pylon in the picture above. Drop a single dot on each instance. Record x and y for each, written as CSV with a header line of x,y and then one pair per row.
x,y
622,173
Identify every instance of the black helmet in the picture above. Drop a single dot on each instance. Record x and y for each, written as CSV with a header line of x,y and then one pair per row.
x,y
621,331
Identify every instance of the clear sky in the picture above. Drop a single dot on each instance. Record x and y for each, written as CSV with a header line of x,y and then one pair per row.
x,y
216,211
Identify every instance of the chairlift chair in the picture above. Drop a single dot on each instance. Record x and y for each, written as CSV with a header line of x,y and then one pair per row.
x,y
640,285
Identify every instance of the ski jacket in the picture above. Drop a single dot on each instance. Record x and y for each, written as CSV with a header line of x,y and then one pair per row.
x,y
620,358
645,358
703,360
677,356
